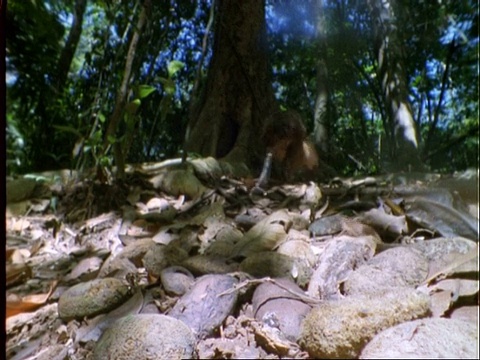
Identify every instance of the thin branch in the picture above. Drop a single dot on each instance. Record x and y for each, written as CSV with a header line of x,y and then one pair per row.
x,y
196,83
436,116
123,91
204,50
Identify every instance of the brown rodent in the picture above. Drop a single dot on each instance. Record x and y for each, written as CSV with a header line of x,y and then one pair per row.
x,y
285,138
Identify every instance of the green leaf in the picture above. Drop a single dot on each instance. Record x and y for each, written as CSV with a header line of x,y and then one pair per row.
x,y
132,107
96,136
111,139
168,85
105,161
143,91
174,66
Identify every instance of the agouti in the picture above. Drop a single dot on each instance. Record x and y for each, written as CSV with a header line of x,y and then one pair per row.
x,y
285,138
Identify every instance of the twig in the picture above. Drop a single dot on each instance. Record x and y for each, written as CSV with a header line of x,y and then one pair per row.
x,y
249,282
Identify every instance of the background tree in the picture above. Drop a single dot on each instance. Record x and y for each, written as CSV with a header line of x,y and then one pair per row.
x,y
122,93
321,114
33,45
331,76
394,83
68,51
227,119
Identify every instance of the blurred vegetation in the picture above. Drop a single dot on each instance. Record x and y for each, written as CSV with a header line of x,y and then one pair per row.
x,y
61,123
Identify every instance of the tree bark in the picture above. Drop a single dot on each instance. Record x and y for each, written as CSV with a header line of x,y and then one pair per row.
x,y
320,116
394,83
68,51
226,121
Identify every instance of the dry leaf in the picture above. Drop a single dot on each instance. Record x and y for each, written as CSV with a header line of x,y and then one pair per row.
x,y
440,302
176,182
441,218
265,235
17,273
458,287
463,263
19,256
28,303
354,228
466,313
385,224
20,225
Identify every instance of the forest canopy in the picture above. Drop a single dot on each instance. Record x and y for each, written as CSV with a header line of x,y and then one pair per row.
x,y
86,78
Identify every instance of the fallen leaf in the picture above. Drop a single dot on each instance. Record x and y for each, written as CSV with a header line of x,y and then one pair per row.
x,y
17,273
265,235
28,303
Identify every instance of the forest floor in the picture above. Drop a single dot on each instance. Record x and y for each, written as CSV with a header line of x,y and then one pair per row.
x,y
351,268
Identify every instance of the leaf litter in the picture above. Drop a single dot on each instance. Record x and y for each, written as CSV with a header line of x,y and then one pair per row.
x,y
179,247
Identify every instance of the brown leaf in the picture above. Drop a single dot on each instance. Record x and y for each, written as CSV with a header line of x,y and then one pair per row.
x,y
265,235
354,228
385,224
463,263
28,303
441,218
466,313
440,302
17,273
176,182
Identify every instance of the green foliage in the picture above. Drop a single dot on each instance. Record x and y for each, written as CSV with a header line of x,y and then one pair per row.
x,y
131,119
48,125
15,146
142,91
33,37
359,125
174,67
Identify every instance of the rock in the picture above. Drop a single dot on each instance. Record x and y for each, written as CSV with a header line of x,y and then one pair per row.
x,y
205,264
327,225
270,301
298,247
341,328
439,248
146,336
400,266
19,189
338,259
179,181
92,298
155,260
176,280
431,338
275,265
202,308
128,260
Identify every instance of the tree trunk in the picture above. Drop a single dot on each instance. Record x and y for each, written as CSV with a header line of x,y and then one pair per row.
x,y
226,121
394,83
122,93
321,119
68,52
